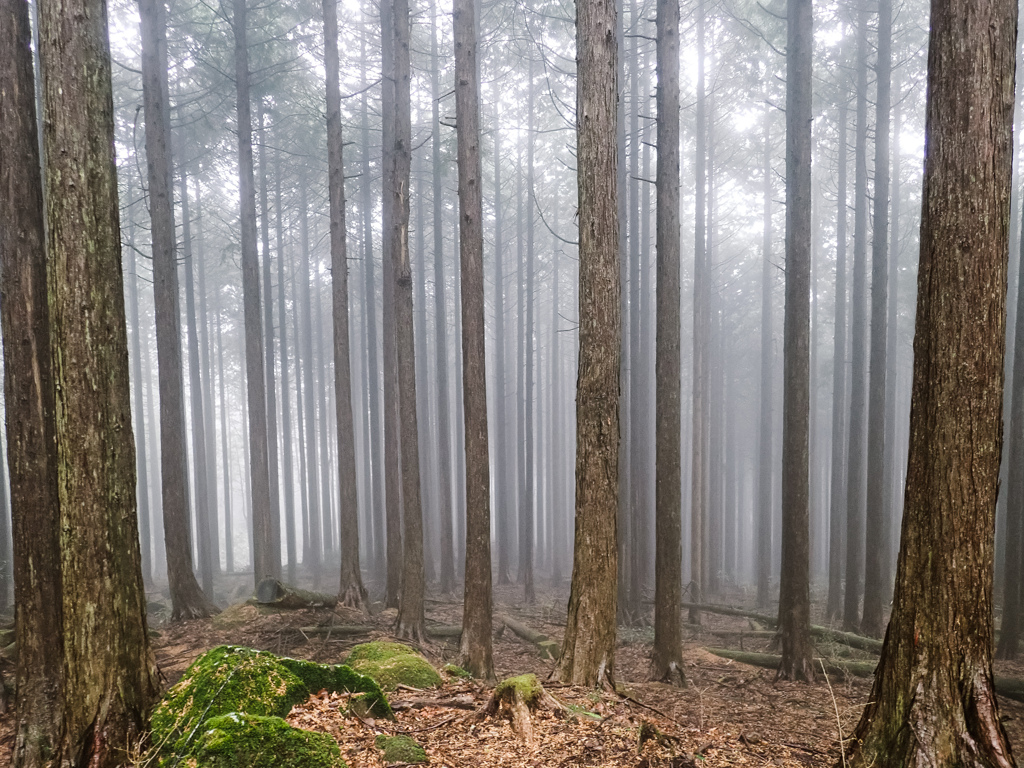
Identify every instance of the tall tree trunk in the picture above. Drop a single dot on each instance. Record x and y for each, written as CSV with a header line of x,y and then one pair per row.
x,y
668,587
876,542
698,488
933,700
410,608
795,581
200,465
528,538
765,466
29,400
476,615
856,469
268,347
229,539
588,648
503,491
307,426
109,671
288,471
351,592
389,217
266,554
444,428
187,600
837,509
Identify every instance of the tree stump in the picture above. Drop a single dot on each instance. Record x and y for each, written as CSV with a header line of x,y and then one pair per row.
x,y
518,698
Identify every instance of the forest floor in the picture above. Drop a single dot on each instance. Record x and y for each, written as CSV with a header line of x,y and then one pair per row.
x,y
729,713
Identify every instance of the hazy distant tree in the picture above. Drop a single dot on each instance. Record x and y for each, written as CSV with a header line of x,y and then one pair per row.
x,y
933,700
266,550
110,675
837,502
29,403
668,588
876,542
351,590
588,648
698,485
476,613
856,479
187,600
765,452
410,607
794,581
444,429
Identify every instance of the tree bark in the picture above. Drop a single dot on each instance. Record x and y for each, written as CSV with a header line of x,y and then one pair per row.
x,y
351,592
29,401
588,648
933,700
794,581
765,445
109,672
668,587
476,615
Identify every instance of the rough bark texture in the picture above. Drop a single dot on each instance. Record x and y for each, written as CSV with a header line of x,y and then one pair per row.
x,y
351,590
109,672
187,600
588,648
29,396
794,582
476,613
933,701
263,556
876,541
668,587
410,607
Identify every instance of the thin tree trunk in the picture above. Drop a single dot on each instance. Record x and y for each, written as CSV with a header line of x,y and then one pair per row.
x,y
876,542
291,543
266,560
795,582
351,591
476,615
307,428
229,539
503,492
765,453
668,587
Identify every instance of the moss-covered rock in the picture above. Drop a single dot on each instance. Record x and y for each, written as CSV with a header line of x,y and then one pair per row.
x,y
240,740
231,679
393,664
400,749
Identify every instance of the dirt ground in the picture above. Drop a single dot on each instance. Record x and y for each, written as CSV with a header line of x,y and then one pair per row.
x,y
729,713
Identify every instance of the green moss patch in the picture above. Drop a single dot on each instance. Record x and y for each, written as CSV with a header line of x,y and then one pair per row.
x,y
239,740
400,749
231,679
455,671
393,664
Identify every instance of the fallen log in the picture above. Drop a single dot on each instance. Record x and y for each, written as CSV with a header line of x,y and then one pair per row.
x,y
860,642
548,648
270,591
1008,687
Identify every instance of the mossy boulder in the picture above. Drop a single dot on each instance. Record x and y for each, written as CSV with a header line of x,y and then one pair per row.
x,y
232,679
393,664
400,749
240,740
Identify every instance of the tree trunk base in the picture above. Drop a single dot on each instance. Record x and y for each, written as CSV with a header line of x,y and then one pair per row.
x,y
353,596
